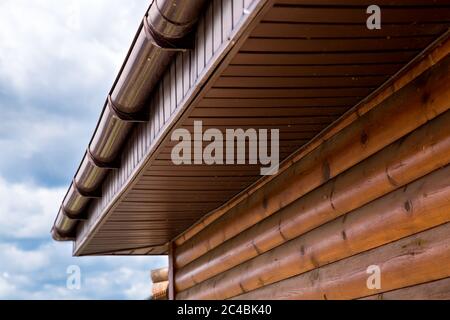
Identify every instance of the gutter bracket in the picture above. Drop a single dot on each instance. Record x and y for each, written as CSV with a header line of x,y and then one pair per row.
x,y
57,235
142,116
178,45
99,164
78,217
91,195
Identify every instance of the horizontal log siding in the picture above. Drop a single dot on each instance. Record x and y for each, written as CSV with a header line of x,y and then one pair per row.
x,y
412,106
423,151
417,207
435,290
296,250
417,259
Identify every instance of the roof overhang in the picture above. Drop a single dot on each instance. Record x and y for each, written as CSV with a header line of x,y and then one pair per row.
x,y
303,67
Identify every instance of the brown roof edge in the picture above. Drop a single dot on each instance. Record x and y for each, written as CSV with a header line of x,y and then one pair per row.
x,y
166,29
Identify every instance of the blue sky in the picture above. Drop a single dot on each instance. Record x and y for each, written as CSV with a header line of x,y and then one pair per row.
x,y
58,60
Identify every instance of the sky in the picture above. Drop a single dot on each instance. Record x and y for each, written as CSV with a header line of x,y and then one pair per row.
x,y
58,60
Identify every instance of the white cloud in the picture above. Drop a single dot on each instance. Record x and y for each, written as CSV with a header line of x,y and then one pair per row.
x,y
58,60
41,274
138,291
6,288
27,211
22,261
87,39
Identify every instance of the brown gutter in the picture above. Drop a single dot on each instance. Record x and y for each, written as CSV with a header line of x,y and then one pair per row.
x,y
165,30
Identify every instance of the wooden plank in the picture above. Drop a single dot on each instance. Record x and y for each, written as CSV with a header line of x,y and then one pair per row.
x,y
283,136
311,70
423,151
167,157
205,173
126,205
304,30
145,224
193,186
435,290
300,82
338,14
270,103
417,259
177,180
395,85
396,116
173,87
286,93
268,112
171,271
284,128
263,121
398,214
306,59
173,193
180,198
335,45
283,149
141,216
362,3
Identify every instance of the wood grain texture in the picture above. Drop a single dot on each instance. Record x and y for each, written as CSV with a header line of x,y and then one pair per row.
x,y
421,205
435,290
420,258
412,106
421,152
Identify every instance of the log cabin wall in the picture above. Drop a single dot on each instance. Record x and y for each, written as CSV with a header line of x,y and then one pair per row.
x,y
375,193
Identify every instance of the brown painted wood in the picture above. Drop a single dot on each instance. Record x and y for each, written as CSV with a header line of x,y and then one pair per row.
x,y
417,259
347,58
304,30
299,82
362,3
340,15
335,45
262,121
343,70
421,152
434,54
435,290
287,93
171,272
421,205
412,106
